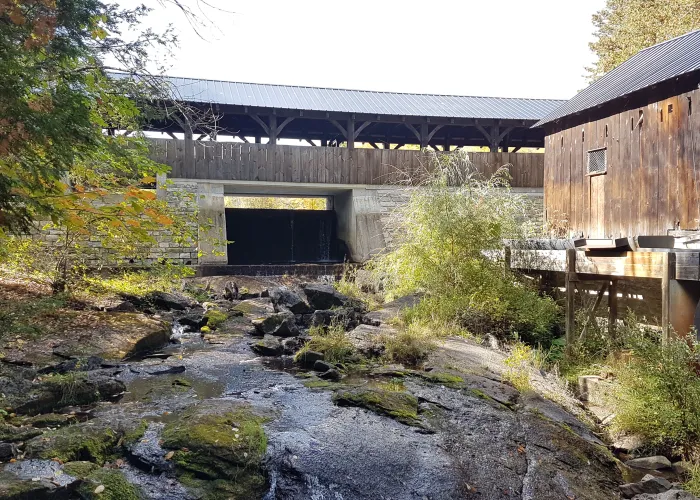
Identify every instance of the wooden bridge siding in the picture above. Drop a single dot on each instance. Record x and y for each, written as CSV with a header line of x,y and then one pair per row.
x,y
653,179
260,162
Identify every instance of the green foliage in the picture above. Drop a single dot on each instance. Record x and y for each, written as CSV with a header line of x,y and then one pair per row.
x,y
693,482
215,318
397,405
116,486
521,361
444,234
331,341
624,27
412,344
27,317
658,394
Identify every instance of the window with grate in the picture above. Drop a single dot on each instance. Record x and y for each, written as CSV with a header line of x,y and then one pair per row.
x,y
597,161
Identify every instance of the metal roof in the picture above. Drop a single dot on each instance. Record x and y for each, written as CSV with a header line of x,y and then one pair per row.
x,y
357,101
653,65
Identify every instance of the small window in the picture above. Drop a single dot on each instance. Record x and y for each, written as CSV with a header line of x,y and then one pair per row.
x,y
597,161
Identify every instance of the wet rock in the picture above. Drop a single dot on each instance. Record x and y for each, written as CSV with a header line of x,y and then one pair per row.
x,y
192,321
146,452
7,451
368,340
652,463
231,291
255,308
397,405
308,359
35,480
51,420
280,324
123,306
322,366
169,370
322,297
285,299
168,301
80,364
648,484
58,391
12,434
292,344
269,345
331,374
345,316
106,483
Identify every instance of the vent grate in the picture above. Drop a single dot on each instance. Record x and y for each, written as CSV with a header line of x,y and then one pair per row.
x,y
598,161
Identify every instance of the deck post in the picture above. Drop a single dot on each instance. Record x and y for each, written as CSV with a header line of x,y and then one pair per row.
x,y
612,308
570,282
189,150
666,278
273,130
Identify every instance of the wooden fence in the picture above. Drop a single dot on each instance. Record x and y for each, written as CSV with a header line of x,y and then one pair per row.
x,y
308,164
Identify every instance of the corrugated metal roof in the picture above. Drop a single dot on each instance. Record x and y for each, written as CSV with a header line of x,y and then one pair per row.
x,y
358,101
653,65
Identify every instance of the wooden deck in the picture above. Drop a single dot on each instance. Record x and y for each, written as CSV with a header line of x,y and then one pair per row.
x,y
325,165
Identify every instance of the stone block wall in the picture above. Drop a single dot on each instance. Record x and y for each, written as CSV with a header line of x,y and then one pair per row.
x,y
180,195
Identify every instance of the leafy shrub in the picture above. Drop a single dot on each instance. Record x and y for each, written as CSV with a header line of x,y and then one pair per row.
x,y
446,236
521,361
658,394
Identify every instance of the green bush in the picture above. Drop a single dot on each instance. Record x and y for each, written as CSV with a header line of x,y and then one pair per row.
x,y
446,236
658,394
411,344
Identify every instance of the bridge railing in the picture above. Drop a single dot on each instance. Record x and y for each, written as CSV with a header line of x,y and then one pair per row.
x,y
326,165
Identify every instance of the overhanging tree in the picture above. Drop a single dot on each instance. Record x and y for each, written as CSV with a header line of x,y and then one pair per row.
x,y
624,27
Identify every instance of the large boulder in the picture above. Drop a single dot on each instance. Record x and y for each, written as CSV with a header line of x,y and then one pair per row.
x,y
369,340
281,324
651,463
167,301
345,316
269,345
284,299
323,296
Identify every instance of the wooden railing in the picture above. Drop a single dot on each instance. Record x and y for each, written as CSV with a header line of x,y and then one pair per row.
x,y
308,164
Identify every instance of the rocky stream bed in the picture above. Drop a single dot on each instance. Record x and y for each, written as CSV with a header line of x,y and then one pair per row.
x,y
205,400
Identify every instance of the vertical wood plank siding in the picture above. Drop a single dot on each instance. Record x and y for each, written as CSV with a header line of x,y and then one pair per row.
x,y
652,183
260,162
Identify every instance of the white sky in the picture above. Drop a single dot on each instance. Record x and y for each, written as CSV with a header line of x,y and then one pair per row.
x,y
504,48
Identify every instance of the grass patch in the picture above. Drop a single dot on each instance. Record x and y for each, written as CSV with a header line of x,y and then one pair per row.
x,y
412,344
331,341
164,278
116,486
522,360
29,317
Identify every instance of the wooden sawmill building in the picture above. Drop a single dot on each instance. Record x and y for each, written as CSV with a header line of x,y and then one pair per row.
x,y
622,186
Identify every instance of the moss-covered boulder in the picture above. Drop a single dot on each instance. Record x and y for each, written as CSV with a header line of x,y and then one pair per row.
x,y
75,388
219,450
108,484
400,406
79,469
92,443
15,434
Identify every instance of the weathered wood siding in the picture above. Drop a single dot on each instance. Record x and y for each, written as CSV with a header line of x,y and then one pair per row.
x,y
652,182
260,162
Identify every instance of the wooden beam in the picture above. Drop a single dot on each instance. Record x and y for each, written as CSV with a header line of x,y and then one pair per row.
x,y
432,132
201,136
398,146
350,136
310,142
423,135
282,125
591,314
373,144
360,129
171,135
516,149
260,122
243,138
339,127
413,129
666,278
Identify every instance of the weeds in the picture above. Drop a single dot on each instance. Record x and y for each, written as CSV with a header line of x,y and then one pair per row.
x,y
332,342
411,344
522,361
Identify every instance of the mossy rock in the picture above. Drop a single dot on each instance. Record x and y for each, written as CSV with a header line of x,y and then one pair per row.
x,y
12,434
86,442
116,486
442,378
397,405
13,488
79,469
318,384
51,420
215,318
225,449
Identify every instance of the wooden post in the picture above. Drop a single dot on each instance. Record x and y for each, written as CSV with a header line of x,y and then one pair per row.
x,y
612,308
423,135
324,142
189,151
273,129
257,139
350,131
506,259
570,281
666,297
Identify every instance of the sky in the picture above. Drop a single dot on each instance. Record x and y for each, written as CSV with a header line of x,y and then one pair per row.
x,y
503,48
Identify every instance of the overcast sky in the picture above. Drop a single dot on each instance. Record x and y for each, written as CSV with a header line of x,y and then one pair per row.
x,y
505,48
